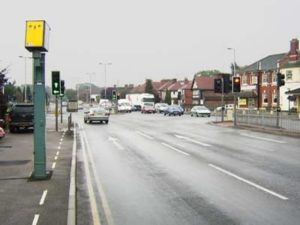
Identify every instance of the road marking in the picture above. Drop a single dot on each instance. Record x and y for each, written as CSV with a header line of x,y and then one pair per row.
x,y
192,140
60,143
43,197
115,142
145,135
59,147
175,149
99,186
55,158
61,140
57,153
35,219
249,182
53,165
262,138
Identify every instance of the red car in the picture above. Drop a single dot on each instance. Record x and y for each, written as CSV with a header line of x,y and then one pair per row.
x,y
2,132
148,108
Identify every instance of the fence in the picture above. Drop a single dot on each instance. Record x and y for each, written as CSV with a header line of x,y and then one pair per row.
x,y
285,120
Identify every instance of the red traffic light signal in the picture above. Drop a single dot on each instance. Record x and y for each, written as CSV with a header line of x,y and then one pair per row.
x,y
236,86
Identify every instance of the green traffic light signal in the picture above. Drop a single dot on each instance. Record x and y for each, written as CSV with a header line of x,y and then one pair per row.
x,y
55,82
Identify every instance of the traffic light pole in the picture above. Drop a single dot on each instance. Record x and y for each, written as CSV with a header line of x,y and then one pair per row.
x,y
61,110
56,113
222,99
39,171
278,105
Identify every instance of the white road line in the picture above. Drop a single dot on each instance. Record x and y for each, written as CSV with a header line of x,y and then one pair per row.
x,y
99,186
175,149
145,135
60,143
116,143
53,165
192,140
35,219
55,158
42,201
61,140
59,147
91,192
262,138
57,153
249,182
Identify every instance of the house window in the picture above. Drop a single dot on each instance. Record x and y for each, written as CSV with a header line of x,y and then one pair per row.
x,y
254,79
265,78
265,99
289,75
274,97
244,79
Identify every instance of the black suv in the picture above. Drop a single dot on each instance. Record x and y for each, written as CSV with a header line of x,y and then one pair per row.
x,y
20,115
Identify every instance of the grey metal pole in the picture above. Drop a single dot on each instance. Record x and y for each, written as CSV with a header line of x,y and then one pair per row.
x,y
61,110
56,113
222,99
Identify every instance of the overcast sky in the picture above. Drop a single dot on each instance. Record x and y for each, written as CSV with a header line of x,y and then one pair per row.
x,y
146,38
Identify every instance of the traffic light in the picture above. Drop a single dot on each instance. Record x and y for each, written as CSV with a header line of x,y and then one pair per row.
x,y
55,82
227,84
236,86
62,88
280,79
218,85
114,95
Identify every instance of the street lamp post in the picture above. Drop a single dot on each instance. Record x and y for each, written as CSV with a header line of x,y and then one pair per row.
x,y
90,77
25,75
105,64
234,94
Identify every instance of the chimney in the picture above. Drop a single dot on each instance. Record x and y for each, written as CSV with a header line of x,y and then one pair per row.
x,y
294,46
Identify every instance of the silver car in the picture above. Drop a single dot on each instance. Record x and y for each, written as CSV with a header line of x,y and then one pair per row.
x,y
96,114
200,110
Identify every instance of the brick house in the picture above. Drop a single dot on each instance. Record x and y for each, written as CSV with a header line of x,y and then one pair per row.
x,y
258,84
290,66
203,92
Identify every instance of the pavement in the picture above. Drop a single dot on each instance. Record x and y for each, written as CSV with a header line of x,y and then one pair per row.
x,y
43,201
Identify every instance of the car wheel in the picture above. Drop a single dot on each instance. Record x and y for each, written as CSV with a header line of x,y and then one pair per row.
x,y
11,129
84,121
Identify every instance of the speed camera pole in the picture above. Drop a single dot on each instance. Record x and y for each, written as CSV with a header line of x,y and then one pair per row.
x,y
36,41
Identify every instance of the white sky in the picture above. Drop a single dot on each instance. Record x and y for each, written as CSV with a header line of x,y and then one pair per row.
x,y
153,39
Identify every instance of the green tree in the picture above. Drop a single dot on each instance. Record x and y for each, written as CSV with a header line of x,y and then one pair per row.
x,y
168,97
149,87
208,72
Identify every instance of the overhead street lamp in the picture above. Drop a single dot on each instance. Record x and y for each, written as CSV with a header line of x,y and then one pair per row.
x,y
234,93
25,75
105,64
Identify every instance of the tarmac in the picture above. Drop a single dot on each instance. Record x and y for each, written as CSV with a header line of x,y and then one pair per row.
x,y
52,201
44,202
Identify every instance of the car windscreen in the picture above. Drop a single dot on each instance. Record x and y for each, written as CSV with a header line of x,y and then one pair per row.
x,y
23,109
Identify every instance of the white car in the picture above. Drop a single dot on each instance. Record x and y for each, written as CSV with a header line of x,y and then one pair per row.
x,y
200,110
96,114
161,107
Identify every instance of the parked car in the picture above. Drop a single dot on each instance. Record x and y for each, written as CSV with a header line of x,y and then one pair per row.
x,y
2,133
20,116
200,110
148,107
226,107
161,107
174,110
99,114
